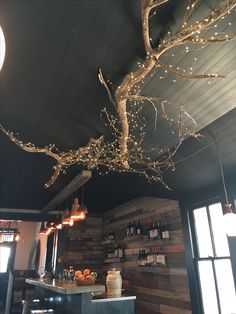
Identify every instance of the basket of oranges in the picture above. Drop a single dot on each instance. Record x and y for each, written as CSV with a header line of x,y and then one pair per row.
x,y
85,277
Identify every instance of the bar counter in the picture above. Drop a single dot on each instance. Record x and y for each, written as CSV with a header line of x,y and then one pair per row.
x,y
68,298
64,287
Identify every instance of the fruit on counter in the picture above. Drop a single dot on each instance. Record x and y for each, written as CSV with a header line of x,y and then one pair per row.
x,y
90,278
81,277
86,272
94,274
85,277
78,273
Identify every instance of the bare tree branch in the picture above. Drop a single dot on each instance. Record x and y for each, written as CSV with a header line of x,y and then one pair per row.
x,y
187,75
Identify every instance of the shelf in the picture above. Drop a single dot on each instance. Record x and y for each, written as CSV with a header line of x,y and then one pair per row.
x,y
108,242
113,260
142,240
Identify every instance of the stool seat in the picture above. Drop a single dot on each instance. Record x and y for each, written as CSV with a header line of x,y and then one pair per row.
x,y
30,305
42,311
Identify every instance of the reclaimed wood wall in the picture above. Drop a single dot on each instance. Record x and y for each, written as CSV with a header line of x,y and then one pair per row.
x,y
83,245
158,289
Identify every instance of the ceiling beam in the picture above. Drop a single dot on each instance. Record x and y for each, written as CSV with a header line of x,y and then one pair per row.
x,y
71,187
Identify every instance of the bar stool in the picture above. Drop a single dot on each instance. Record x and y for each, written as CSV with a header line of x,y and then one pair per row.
x,y
30,305
50,311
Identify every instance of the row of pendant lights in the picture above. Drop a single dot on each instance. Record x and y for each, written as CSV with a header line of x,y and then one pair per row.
x,y
78,213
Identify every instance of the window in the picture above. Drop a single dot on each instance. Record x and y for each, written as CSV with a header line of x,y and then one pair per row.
x,y
4,256
212,260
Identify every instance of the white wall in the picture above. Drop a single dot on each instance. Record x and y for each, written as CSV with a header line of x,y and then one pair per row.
x,y
43,252
26,247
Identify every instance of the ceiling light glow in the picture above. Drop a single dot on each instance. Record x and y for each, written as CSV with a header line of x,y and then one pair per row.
x,y
2,48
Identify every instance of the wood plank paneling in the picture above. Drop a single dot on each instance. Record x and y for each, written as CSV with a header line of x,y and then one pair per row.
x,y
158,289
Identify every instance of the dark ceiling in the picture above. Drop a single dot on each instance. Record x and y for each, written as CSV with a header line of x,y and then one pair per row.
x,y
50,93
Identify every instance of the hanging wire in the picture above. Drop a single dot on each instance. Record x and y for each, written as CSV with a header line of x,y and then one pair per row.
x,y
82,196
222,174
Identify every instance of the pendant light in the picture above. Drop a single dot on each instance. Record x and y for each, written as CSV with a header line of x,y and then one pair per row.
x,y
66,220
75,213
229,217
78,212
2,48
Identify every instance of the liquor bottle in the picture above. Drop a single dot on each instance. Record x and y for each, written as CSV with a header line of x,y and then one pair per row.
x,y
167,233
128,230
158,257
163,230
138,228
150,233
142,257
111,235
132,228
154,256
116,251
159,231
120,252
145,257
139,258
154,231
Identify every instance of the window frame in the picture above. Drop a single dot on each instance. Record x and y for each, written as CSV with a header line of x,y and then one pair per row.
x,y
192,257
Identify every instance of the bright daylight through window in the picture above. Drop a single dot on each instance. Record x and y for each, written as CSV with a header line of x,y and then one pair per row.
x,y
213,262
4,256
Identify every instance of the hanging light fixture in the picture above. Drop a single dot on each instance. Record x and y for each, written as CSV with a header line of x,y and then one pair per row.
x,y
2,48
229,217
66,219
78,212
75,212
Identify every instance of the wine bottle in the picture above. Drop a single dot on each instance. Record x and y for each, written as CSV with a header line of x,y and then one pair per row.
x,y
159,231
138,228
167,233
132,229
128,230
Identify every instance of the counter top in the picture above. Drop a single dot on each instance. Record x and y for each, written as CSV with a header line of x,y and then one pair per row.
x,y
104,298
63,287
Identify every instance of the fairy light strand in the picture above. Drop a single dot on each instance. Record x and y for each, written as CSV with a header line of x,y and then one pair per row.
x,y
124,151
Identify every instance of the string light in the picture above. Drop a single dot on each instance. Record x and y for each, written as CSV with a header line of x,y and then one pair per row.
x,y
124,152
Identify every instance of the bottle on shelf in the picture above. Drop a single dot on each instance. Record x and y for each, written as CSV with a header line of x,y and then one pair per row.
x,y
149,231
110,235
138,228
120,251
128,230
116,250
158,231
152,232
132,228
139,257
165,232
